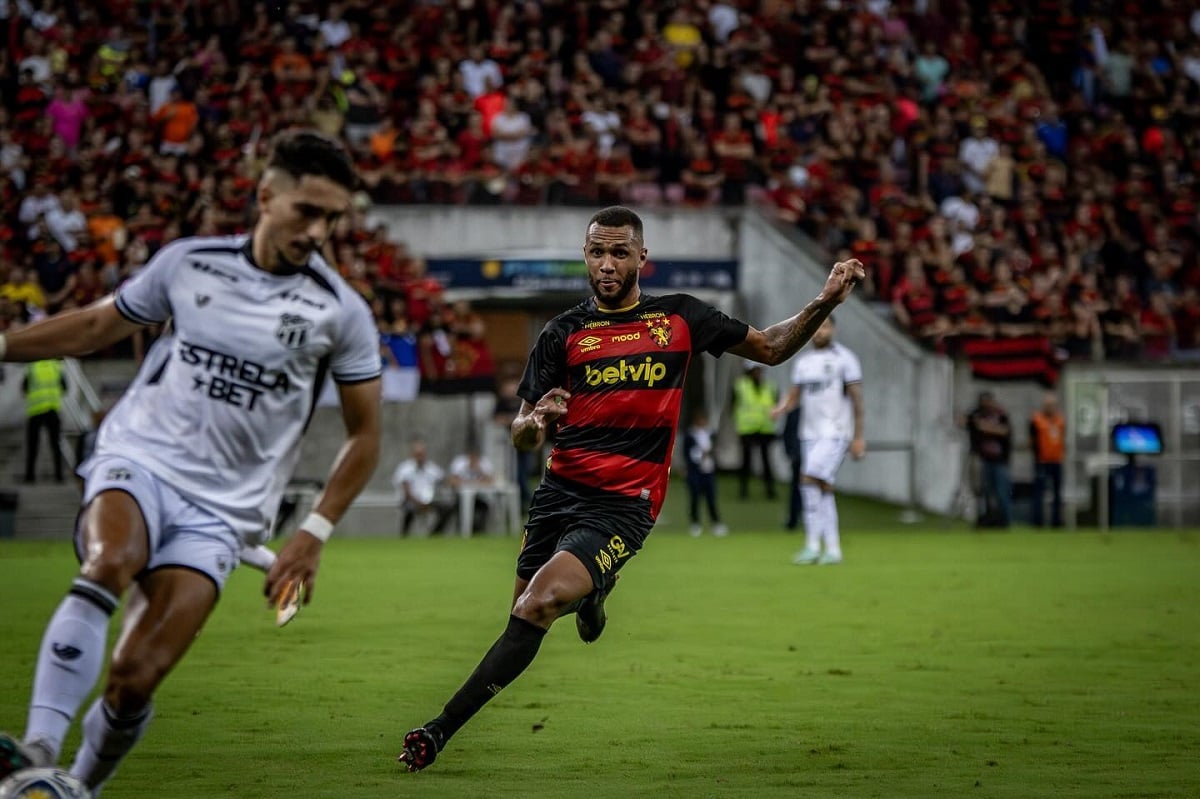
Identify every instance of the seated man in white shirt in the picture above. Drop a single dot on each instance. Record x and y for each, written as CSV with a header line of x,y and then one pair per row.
x,y
475,471
419,483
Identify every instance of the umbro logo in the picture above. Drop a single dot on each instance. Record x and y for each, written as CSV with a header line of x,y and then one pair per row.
x,y
202,300
66,651
589,343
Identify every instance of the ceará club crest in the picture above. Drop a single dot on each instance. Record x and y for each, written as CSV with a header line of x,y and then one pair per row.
x,y
293,331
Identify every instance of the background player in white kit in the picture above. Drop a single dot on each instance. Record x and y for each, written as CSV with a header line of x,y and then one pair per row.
x,y
827,381
191,464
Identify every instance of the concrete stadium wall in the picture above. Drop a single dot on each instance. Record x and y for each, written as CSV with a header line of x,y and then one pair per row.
x,y
445,231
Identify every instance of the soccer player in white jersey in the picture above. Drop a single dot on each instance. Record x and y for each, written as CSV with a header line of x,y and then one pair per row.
x,y
827,382
191,464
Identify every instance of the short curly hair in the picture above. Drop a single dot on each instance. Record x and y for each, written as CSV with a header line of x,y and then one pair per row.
x,y
301,152
618,216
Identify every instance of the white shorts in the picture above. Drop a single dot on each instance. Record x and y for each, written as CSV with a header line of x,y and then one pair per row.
x,y
823,457
180,533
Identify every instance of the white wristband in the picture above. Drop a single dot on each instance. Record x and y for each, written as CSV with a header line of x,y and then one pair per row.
x,y
317,526
3,345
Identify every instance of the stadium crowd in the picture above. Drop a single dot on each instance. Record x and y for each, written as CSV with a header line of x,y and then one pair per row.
x,y
1006,170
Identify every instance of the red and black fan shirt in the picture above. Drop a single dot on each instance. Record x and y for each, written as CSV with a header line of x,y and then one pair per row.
x,y
625,371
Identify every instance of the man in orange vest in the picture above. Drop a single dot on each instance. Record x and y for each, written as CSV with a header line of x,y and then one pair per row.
x,y
1047,437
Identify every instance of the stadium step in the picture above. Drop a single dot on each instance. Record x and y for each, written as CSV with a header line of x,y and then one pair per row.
x,y
43,511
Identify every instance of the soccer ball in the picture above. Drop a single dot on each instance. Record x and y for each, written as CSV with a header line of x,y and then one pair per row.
x,y
42,783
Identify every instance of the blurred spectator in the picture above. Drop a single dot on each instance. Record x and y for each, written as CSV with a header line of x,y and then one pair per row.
x,y
159,87
22,288
991,445
976,154
754,398
176,120
1047,439
512,131
44,386
479,73
36,205
421,488
699,443
68,111
471,469
66,223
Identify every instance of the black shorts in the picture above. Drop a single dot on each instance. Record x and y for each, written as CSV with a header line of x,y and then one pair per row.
x,y
604,531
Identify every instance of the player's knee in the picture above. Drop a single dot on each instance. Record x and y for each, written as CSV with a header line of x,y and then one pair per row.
x,y
542,605
132,680
816,484
109,569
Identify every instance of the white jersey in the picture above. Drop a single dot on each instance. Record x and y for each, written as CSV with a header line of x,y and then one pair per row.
x,y
822,375
221,402
422,479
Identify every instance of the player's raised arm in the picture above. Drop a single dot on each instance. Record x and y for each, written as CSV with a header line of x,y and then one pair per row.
x,y
782,340
70,334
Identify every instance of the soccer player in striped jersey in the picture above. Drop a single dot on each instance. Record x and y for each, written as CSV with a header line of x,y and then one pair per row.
x,y
610,374
190,465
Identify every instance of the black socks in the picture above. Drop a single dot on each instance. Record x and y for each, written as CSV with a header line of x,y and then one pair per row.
x,y
512,653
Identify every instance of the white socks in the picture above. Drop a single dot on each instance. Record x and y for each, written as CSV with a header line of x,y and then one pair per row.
x,y
107,738
820,521
69,663
829,525
810,494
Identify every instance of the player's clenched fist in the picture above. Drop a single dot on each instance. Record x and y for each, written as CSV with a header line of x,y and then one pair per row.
x,y
844,276
553,404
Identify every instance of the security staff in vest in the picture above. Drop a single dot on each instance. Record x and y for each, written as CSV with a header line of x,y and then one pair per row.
x,y
1047,436
44,386
753,400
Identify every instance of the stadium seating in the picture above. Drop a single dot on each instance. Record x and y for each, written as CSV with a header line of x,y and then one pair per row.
x,y
1005,170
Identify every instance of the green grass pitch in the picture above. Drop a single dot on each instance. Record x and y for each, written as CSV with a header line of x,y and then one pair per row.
x,y
936,662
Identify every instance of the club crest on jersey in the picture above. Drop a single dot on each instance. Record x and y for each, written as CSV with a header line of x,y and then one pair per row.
x,y
660,331
293,331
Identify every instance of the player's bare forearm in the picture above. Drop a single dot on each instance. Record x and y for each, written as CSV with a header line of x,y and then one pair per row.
x,y
528,431
352,470
854,391
785,338
69,334
787,403
781,341
359,455
529,428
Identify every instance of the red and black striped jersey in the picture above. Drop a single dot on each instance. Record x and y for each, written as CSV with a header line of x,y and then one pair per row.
x,y
625,370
